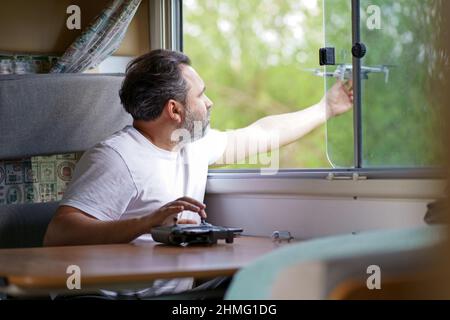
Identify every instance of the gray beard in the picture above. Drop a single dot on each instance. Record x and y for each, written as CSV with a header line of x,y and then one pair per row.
x,y
196,128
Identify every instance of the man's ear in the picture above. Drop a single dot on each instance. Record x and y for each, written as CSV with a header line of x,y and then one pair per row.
x,y
174,110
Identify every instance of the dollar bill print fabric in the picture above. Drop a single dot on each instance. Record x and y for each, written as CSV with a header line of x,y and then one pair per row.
x,y
100,40
23,64
36,179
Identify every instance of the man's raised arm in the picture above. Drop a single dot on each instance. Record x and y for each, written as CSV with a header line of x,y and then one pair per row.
x,y
286,128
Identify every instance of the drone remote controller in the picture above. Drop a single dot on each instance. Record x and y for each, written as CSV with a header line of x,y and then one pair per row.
x,y
185,234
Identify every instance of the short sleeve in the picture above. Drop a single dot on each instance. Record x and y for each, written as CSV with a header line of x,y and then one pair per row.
x,y
102,185
213,144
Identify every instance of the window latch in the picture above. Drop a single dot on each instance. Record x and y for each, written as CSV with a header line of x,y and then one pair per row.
x,y
327,56
359,50
355,176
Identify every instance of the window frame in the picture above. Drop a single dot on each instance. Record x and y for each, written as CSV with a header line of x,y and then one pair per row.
x,y
170,28
166,24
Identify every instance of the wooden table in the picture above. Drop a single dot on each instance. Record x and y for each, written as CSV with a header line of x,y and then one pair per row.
x,y
34,270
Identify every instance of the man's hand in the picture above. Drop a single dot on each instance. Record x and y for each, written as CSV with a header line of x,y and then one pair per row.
x,y
167,213
338,99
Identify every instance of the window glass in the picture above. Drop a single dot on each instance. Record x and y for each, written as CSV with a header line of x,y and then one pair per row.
x,y
399,113
400,126
338,35
254,57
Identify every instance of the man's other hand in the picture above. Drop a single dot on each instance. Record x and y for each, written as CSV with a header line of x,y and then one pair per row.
x,y
168,213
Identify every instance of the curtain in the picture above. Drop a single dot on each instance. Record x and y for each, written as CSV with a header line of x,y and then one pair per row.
x,y
100,39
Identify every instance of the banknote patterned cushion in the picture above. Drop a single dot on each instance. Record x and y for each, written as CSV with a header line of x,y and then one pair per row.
x,y
36,179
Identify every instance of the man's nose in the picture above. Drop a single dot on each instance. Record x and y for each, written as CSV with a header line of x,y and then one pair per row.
x,y
209,103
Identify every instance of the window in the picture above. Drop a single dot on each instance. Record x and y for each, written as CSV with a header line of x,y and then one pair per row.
x,y
399,116
259,57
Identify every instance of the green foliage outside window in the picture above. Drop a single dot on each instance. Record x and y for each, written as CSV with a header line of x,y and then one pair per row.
x,y
253,56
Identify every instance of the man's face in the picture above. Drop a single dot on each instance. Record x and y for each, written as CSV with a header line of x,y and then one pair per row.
x,y
198,106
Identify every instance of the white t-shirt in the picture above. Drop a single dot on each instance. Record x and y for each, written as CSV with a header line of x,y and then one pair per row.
x,y
127,176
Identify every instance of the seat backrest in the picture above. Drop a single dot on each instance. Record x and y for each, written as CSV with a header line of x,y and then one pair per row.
x,y
48,114
312,269
24,225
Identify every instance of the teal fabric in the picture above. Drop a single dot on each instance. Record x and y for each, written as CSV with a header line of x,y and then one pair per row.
x,y
255,281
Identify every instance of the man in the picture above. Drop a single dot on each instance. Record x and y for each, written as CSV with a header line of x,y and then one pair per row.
x,y
146,174
135,180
